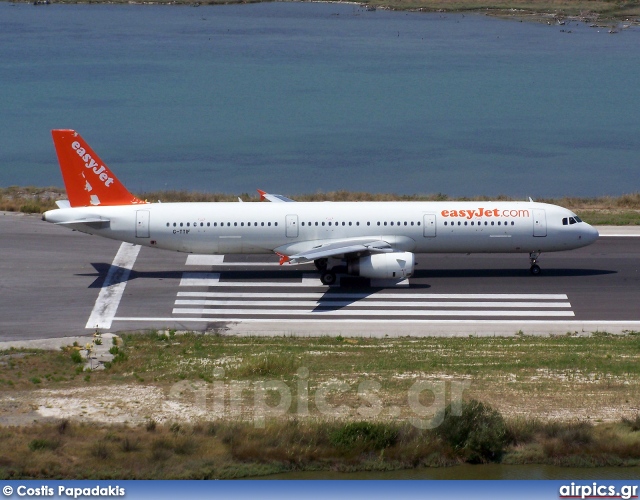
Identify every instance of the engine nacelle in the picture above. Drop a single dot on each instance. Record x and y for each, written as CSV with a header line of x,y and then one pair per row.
x,y
383,265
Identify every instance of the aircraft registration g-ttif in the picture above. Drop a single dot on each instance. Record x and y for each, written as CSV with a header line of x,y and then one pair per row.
x,y
368,239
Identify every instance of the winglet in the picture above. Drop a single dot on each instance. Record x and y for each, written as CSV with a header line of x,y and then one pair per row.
x,y
88,181
262,194
283,258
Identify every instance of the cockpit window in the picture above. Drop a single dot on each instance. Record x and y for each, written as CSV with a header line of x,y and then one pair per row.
x,y
572,220
565,221
578,219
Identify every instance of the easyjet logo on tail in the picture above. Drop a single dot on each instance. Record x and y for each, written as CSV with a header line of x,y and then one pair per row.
x,y
483,212
90,163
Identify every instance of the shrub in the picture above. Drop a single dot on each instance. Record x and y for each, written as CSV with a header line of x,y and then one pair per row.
x,y
632,423
76,357
43,444
479,433
101,450
367,435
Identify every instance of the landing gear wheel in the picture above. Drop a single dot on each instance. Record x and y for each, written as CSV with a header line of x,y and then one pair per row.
x,y
328,278
321,264
533,259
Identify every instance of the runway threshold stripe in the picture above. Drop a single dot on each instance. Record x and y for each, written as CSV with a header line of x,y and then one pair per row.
x,y
367,303
375,295
104,310
359,312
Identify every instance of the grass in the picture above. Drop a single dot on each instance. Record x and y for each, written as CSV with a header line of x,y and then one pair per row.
x,y
604,210
564,400
208,450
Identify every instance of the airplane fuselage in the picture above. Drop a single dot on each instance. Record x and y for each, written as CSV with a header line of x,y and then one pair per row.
x,y
418,227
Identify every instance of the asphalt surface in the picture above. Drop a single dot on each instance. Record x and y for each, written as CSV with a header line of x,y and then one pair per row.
x,y
58,283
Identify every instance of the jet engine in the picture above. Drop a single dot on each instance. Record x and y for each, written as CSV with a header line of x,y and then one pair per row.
x,y
382,265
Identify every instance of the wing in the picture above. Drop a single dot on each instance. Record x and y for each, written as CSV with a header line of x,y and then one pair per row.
x,y
333,248
277,198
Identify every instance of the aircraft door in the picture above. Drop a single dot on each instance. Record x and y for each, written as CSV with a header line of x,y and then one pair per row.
x,y
142,223
429,225
292,226
539,222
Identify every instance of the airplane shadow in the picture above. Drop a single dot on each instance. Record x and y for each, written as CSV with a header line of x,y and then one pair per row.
x,y
357,288
507,273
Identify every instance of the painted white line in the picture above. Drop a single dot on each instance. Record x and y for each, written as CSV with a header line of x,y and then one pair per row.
x,y
360,312
218,260
378,295
113,287
365,303
632,325
200,279
213,279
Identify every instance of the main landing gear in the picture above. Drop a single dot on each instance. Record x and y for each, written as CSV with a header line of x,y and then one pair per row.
x,y
327,276
535,268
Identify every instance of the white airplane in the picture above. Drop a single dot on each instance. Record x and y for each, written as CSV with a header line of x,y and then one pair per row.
x,y
369,239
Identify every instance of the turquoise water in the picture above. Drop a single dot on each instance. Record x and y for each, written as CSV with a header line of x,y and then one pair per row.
x,y
296,98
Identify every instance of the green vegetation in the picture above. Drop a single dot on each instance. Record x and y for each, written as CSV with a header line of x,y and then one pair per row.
x,y
562,400
207,450
605,210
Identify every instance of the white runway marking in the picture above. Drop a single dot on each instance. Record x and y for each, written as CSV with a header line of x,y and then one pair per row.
x,y
379,295
364,303
218,260
360,312
368,306
113,287
213,279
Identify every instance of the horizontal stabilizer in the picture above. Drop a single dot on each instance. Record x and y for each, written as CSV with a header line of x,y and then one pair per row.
x,y
96,222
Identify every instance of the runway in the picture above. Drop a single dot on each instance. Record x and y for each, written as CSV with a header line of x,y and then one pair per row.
x,y
61,283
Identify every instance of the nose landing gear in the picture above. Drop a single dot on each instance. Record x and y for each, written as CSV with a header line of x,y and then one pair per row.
x,y
533,259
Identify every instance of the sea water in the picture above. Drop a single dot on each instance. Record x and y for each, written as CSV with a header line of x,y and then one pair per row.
x,y
305,97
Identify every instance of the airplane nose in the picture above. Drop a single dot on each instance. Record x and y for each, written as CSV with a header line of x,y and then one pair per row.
x,y
591,234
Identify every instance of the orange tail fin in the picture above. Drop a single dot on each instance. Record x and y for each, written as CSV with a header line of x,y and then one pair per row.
x,y
88,181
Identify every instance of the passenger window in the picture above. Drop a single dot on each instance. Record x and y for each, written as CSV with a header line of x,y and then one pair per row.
x,y
405,223
378,223
512,223
323,223
181,224
472,223
459,223
418,223
412,223
445,223
465,223
174,224
275,223
268,223
235,224
357,223
492,223
385,223
228,224
262,224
